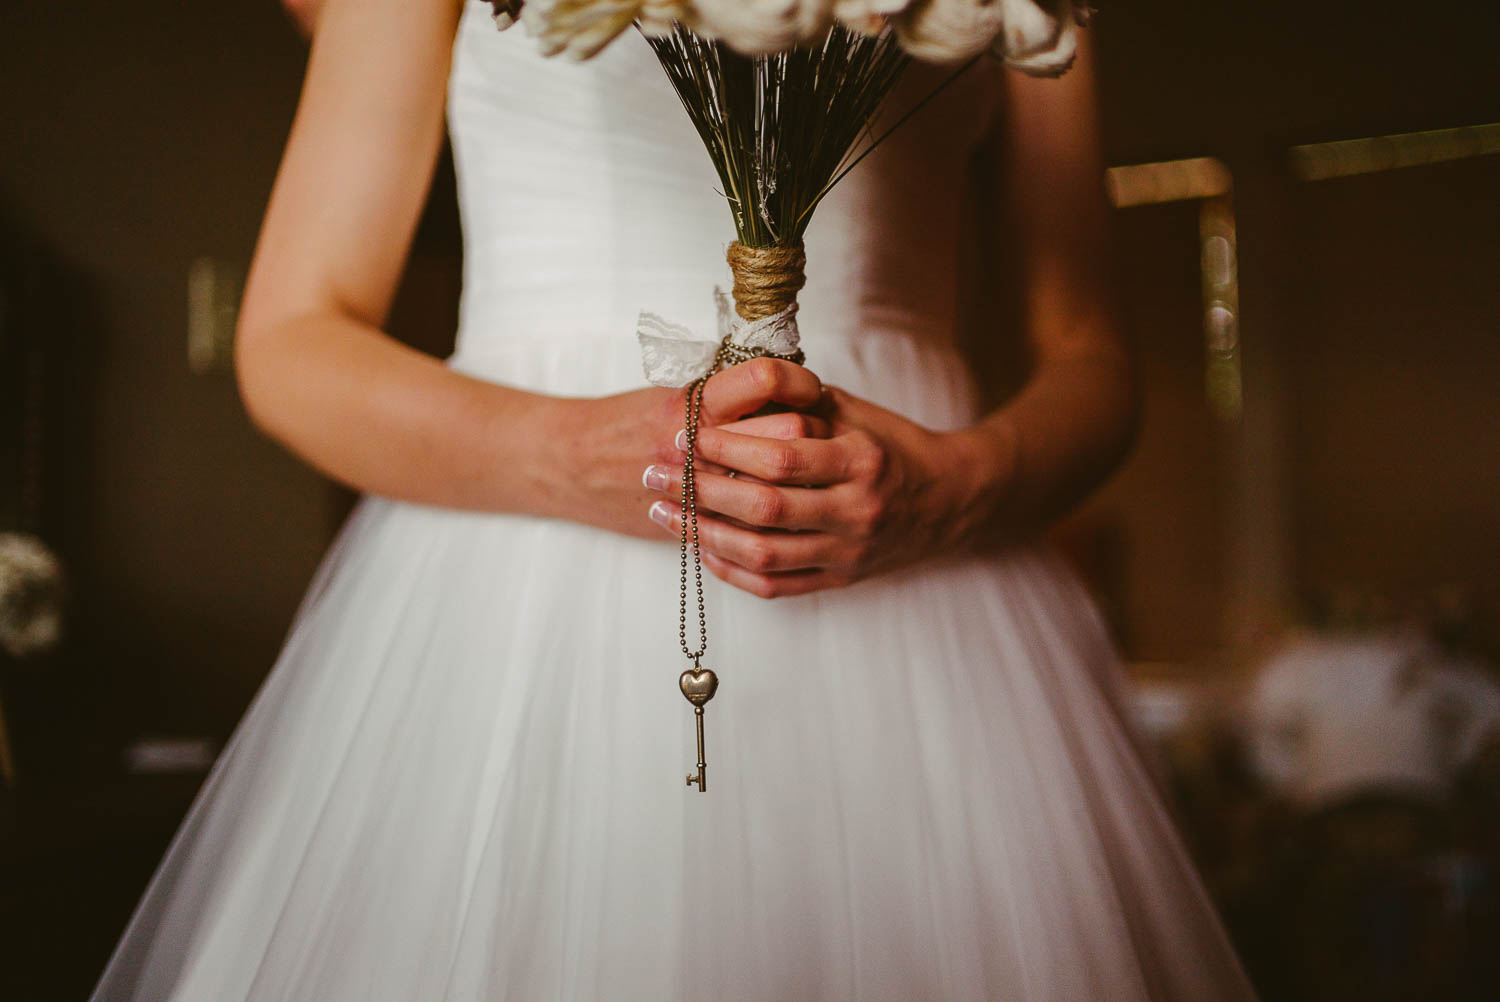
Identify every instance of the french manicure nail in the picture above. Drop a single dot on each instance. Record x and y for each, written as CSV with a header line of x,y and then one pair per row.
x,y
660,515
655,478
682,440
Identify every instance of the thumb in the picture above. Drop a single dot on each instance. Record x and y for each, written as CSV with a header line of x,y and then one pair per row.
x,y
747,387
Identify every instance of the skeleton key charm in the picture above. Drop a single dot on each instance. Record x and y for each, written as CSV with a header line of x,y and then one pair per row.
x,y
699,685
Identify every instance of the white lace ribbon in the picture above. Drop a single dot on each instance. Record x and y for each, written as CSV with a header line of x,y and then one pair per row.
x,y
673,355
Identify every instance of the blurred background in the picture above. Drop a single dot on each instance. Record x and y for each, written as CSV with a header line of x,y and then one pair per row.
x,y
1301,561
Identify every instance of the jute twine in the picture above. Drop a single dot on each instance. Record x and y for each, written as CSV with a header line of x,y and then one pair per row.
x,y
766,279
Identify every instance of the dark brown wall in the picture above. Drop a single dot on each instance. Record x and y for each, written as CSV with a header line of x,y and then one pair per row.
x,y
1395,364
1369,315
138,139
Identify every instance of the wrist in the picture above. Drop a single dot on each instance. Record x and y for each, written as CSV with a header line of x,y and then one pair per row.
x,y
527,455
984,458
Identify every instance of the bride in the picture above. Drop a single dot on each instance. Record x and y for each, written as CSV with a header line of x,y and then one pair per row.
x,y
463,778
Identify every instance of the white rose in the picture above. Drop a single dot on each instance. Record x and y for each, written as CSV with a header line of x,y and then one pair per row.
x,y
1040,37
578,29
949,31
657,16
761,26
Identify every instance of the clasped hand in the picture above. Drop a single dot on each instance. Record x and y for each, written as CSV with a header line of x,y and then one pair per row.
x,y
824,495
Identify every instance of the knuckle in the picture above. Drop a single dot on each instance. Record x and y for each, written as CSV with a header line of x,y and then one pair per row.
x,y
767,508
796,425
767,376
869,459
867,518
760,557
783,461
764,587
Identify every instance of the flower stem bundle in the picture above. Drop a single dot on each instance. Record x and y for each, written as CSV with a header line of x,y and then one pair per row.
x,y
780,127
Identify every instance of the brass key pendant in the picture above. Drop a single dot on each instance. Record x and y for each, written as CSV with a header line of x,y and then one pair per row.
x,y
699,685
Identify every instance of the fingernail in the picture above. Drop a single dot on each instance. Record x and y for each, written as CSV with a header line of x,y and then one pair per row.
x,y
682,440
661,514
655,477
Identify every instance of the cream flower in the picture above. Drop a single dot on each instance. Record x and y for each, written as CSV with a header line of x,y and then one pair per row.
x,y
950,31
761,26
868,16
1041,38
578,29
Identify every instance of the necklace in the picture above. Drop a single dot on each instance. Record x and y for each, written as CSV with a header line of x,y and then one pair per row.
x,y
698,683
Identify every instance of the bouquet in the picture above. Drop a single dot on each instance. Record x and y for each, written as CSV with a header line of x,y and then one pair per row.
x,y
781,92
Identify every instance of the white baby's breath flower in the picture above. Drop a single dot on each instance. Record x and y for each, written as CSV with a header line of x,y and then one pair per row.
x,y
949,31
1040,37
578,29
30,595
760,26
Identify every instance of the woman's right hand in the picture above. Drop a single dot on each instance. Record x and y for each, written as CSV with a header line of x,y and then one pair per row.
x,y
604,444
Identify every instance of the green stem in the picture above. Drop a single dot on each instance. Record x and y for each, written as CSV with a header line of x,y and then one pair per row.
x,y
886,134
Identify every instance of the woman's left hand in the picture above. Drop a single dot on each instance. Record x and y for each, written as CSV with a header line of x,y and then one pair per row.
x,y
805,514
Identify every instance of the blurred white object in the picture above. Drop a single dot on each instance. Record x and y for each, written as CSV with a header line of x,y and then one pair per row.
x,y
1337,714
1162,709
170,755
31,589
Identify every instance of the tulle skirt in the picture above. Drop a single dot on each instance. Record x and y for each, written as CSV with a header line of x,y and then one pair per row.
x,y
464,778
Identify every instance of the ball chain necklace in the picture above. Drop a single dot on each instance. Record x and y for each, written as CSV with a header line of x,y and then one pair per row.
x,y
698,683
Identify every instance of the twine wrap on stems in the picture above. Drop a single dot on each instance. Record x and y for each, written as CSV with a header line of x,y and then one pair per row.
x,y
766,279
761,321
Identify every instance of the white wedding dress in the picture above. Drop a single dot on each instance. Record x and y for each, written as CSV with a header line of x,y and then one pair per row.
x,y
464,778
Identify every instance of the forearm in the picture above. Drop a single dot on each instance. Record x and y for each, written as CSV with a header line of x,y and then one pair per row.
x,y
1058,440
382,417
1075,419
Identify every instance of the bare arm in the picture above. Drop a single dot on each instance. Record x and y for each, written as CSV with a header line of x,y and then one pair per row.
x,y
1075,419
314,369
318,374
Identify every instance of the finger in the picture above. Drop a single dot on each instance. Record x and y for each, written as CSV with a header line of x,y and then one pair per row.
x,y
787,425
767,506
705,466
784,427
755,550
771,585
743,389
805,461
